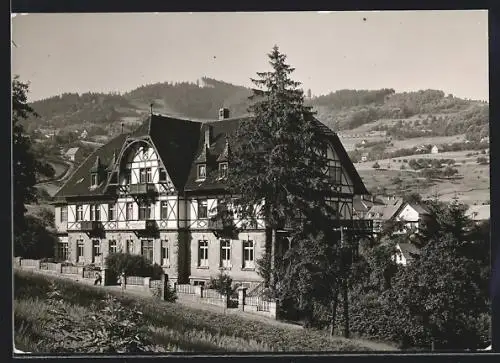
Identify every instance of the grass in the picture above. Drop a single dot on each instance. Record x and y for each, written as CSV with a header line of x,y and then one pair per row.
x,y
172,326
474,187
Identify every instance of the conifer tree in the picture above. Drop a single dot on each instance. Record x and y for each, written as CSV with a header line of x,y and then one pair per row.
x,y
279,158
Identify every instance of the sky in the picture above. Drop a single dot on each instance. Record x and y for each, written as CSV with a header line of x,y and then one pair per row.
x,y
104,52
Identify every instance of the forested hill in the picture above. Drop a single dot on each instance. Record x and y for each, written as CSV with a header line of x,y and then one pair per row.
x,y
340,110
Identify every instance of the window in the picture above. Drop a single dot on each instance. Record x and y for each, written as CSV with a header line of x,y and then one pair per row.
x,y
79,212
164,253
198,283
163,174
64,213
96,248
112,248
147,249
223,170
95,212
203,253
145,175
225,253
63,251
130,211
79,249
248,258
144,211
164,210
126,176
93,179
202,171
111,212
202,209
130,246
335,172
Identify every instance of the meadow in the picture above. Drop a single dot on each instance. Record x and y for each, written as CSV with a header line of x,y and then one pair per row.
x,y
171,327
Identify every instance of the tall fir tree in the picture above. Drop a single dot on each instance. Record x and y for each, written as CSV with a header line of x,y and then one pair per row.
x,y
279,162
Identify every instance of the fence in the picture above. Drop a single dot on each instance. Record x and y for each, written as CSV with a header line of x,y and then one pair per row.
x,y
70,270
258,303
29,263
135,280
185,289
44,265
89,273
154,284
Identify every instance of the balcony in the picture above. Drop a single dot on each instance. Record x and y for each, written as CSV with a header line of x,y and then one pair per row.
x,y
358,226
90,226
141,189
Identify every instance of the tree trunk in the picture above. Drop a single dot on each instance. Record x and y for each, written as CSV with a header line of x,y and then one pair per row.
x,y
346,310
334,311
273,256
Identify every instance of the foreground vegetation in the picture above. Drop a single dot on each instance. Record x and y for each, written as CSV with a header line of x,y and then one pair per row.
x,y
164,326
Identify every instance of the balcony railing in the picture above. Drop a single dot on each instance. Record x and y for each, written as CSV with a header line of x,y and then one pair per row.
x,y
220,224
143,188
358,225
90,226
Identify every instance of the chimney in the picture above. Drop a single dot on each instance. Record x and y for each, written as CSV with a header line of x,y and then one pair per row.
x,y
208,135
223,113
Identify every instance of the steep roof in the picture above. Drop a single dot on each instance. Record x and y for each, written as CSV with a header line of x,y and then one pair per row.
x,y
222,130
71,151
419,208
179,143
385,212
78,184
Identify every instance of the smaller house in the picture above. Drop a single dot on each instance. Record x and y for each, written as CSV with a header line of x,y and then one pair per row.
x,y
478,213
405,253
73,153
412,214
364,157
380,214
485,140
363,203
84,134
434,150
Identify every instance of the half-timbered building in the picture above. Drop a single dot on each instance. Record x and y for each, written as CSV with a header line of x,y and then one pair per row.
x,y
153,192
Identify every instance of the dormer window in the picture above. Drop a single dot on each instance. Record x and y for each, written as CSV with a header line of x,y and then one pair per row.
x,y
202,171
93,179
222,170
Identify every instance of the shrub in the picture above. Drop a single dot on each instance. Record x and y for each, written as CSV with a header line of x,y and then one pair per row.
x,y
223,284
132,265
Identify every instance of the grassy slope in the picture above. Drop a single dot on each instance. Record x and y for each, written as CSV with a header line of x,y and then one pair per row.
x,y
170,324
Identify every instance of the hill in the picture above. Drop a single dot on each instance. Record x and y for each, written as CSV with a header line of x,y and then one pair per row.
x,y
379,123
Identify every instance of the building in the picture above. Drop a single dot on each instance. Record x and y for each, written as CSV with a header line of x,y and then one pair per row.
x,y
434,150
364,157
405,253
410,214
363,203
73,154
479,213
153,192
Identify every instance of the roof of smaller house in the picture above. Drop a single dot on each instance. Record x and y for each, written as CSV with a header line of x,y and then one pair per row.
x,y
407,249
419,208
72,151
478,212
385,212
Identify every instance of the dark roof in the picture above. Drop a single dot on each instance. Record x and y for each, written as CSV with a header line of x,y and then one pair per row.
x,y
78,183
419,208
222,130
180,142
176,141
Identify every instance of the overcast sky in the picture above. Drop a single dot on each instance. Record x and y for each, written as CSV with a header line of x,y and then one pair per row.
x,y
407,51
